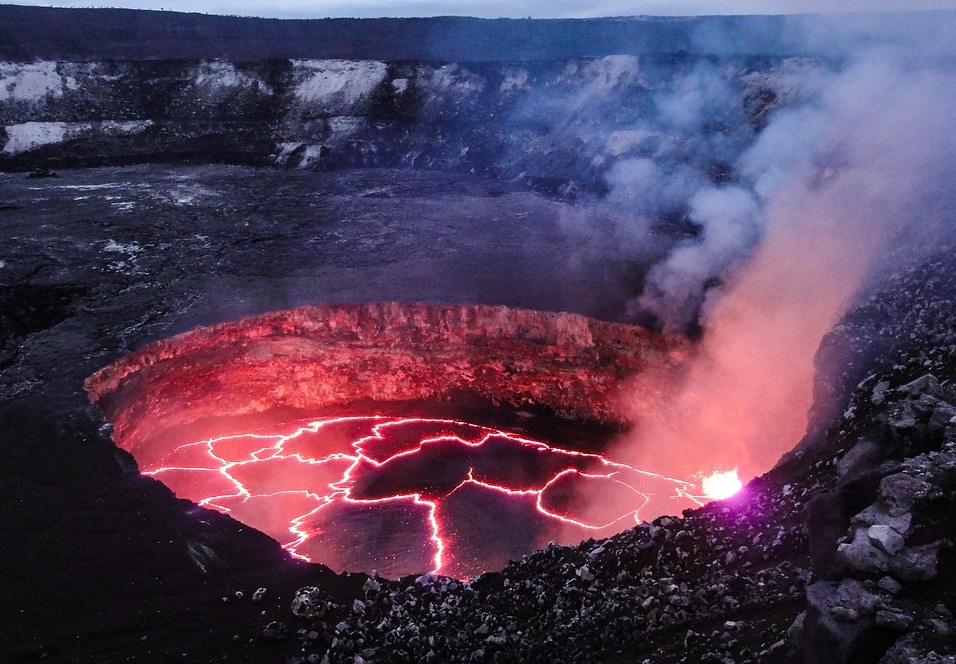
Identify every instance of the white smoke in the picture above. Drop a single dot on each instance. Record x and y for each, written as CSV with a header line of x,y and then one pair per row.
x,y
865,165
730,221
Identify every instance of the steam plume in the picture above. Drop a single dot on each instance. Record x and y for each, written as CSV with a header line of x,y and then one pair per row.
x,y
865,164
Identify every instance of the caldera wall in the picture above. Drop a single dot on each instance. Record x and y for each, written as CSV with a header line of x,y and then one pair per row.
x,y
555,126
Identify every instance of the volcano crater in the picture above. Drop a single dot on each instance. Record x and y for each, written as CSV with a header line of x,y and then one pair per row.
x,y
399,437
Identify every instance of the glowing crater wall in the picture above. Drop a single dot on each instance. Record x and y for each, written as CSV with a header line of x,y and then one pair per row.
x,y
313,357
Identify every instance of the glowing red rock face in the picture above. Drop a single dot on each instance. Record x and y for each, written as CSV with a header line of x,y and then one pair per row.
x,y
405,495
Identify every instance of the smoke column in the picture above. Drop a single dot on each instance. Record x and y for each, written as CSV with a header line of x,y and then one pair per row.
x,y
862,166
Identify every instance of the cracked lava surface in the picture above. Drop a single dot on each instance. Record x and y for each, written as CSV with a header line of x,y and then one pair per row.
x,y
407,495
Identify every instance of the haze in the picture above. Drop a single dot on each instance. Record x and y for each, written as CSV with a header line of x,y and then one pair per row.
x,y
509,9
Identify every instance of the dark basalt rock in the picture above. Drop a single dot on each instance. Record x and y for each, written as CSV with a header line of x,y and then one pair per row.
x,y
41,174
275,631
826,523
311,603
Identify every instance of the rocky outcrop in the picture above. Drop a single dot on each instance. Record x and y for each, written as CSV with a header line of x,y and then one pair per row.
x,y
875,597
314,357
881,448
903,329
892,550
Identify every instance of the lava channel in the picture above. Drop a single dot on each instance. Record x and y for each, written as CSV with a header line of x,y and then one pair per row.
x,y
408,495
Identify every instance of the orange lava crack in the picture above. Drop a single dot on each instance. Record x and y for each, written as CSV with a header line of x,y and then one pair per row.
x,y
259,466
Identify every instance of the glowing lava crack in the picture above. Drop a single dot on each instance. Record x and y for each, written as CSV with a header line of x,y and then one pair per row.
x,y
407,495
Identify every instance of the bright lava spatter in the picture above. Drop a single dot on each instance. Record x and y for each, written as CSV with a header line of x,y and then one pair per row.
x,y
409,495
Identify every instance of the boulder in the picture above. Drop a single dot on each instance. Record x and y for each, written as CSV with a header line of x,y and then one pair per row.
x,y
920,563
275,631
861,554
840,623
899,492
885,538
862,457
310,602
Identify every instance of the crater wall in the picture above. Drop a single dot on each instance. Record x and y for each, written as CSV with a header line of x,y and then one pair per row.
x,y
557,126
313,357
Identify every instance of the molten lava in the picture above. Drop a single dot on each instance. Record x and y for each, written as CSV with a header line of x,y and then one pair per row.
x,y
406,495
721,485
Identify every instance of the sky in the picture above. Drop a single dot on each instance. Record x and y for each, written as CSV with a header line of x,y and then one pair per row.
x,y
506,8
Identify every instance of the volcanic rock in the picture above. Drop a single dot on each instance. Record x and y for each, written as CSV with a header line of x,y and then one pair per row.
x,y
914,649
826,523
861,554
862,458
311,602
839,621
920,563
275,631
886,538
898,622
879,392
42,173
889,584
